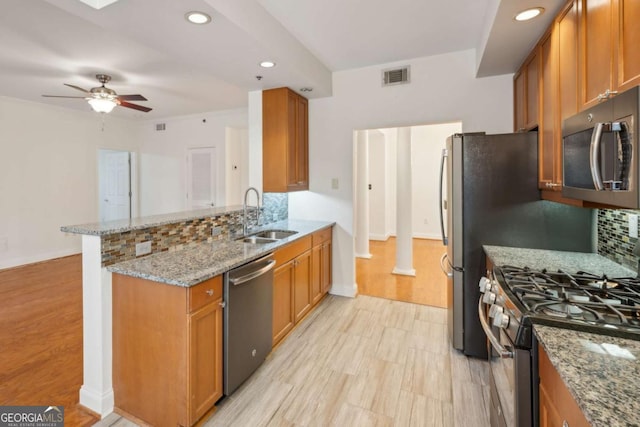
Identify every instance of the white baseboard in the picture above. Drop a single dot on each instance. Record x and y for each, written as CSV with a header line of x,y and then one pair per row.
x,y
18,261
427,236
411,272
100,403
349,291
379,237
365,256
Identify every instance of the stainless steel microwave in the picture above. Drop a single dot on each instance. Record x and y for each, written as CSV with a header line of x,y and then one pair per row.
x,y
600,157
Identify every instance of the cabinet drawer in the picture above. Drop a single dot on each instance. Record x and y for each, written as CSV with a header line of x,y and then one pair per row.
x,y
292,250
204,293
321,236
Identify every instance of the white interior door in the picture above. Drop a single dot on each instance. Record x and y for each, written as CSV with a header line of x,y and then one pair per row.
x,y
115,185
201,177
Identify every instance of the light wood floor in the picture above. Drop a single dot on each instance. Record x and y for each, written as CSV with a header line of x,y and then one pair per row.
x,y
361,361
374,276
41,337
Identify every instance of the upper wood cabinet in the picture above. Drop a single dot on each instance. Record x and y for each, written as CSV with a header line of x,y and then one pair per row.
x,y
525,90
609,60
285,141
548,135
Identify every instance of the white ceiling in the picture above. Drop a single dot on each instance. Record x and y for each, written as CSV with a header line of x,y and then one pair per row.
x,y
149,48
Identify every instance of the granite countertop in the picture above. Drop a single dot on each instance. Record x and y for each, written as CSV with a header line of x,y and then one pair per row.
x,y
201,261
556,260
124,225
601,372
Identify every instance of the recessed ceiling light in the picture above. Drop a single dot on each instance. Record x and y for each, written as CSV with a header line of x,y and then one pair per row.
x,y
267,64
528,14
197,18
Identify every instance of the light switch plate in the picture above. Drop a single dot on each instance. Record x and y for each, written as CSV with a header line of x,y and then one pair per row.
x,y
143,248
633,225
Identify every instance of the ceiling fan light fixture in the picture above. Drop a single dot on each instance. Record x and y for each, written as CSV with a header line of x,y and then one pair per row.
x,y
198,18
528,14
102,105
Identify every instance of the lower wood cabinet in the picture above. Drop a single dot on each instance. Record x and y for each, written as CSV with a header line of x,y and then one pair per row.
x,y
557,406
301,278
167,349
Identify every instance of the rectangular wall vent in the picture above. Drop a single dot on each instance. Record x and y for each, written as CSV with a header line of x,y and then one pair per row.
x,y
396,76
161,126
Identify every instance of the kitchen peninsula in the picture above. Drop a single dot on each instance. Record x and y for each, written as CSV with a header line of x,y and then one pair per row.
x,y
186,248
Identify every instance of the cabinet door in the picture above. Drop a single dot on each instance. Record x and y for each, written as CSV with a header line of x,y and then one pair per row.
x,y
532,91
292,146
326,267
568,61
597,50
302,143
547,131
302,285
519,101
316,274
205,370
282,301
549,416
627,35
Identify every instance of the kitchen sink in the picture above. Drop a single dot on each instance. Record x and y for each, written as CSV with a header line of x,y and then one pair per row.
x,y
275,234
257,240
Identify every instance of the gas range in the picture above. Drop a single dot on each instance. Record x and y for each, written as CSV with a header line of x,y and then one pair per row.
x,y
581,300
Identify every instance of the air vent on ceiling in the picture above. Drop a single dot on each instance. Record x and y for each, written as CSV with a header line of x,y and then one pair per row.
x,y
161,126
395,76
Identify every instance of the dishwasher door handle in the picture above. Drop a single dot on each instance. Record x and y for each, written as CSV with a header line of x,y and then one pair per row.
x,y
242,279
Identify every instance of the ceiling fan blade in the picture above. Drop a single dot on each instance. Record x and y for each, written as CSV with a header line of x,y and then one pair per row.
x,y
76,87
134,106
59,96
132,97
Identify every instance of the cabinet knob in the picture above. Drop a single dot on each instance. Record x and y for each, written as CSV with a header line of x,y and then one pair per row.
x,y
209,292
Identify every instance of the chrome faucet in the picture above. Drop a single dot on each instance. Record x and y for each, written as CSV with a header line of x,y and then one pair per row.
x,y
245,221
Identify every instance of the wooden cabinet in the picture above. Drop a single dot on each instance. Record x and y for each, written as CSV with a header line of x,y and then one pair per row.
x,y
526,94
549,137
609,61
301,278
167,349
291,286
558,408
285,141
321,263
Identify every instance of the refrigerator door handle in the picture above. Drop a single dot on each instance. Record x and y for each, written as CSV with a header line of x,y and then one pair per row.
x,y
443,159
444,269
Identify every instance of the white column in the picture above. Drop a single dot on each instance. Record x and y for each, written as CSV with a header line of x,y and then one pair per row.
x,y
362,195
404,232
96,392
255,140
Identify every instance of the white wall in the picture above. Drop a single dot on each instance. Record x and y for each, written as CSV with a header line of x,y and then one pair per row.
x,y
163,165
378,181
443,89
49,176
236,165
427,143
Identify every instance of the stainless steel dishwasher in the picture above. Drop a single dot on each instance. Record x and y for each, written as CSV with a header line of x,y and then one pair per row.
x,y
248,293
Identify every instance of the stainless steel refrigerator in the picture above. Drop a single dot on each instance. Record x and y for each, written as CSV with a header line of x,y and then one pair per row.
x,y
492,198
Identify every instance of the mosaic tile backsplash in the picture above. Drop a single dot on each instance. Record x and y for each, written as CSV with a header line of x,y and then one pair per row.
x,y
120,247
613,237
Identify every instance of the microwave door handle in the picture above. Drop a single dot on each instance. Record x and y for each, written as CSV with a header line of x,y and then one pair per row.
x,y
594,156
443,159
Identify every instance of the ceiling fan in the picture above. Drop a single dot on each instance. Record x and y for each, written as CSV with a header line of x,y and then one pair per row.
x,y
103,100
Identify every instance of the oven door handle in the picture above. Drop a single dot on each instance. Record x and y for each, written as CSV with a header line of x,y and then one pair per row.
x,y
594,156
502,351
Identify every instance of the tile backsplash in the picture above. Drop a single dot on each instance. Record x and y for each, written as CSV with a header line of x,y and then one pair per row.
x,y
613,237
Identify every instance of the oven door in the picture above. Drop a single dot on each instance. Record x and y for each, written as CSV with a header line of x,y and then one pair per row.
x,y
510,372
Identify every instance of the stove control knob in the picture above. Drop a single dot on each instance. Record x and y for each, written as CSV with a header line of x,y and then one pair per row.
x,y
489,298
485,284
501,320
494,310
500,300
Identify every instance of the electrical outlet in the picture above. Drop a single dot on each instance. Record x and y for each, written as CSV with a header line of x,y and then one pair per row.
x,y
143,248
335,184
633,225
426,221
4,244
216,231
